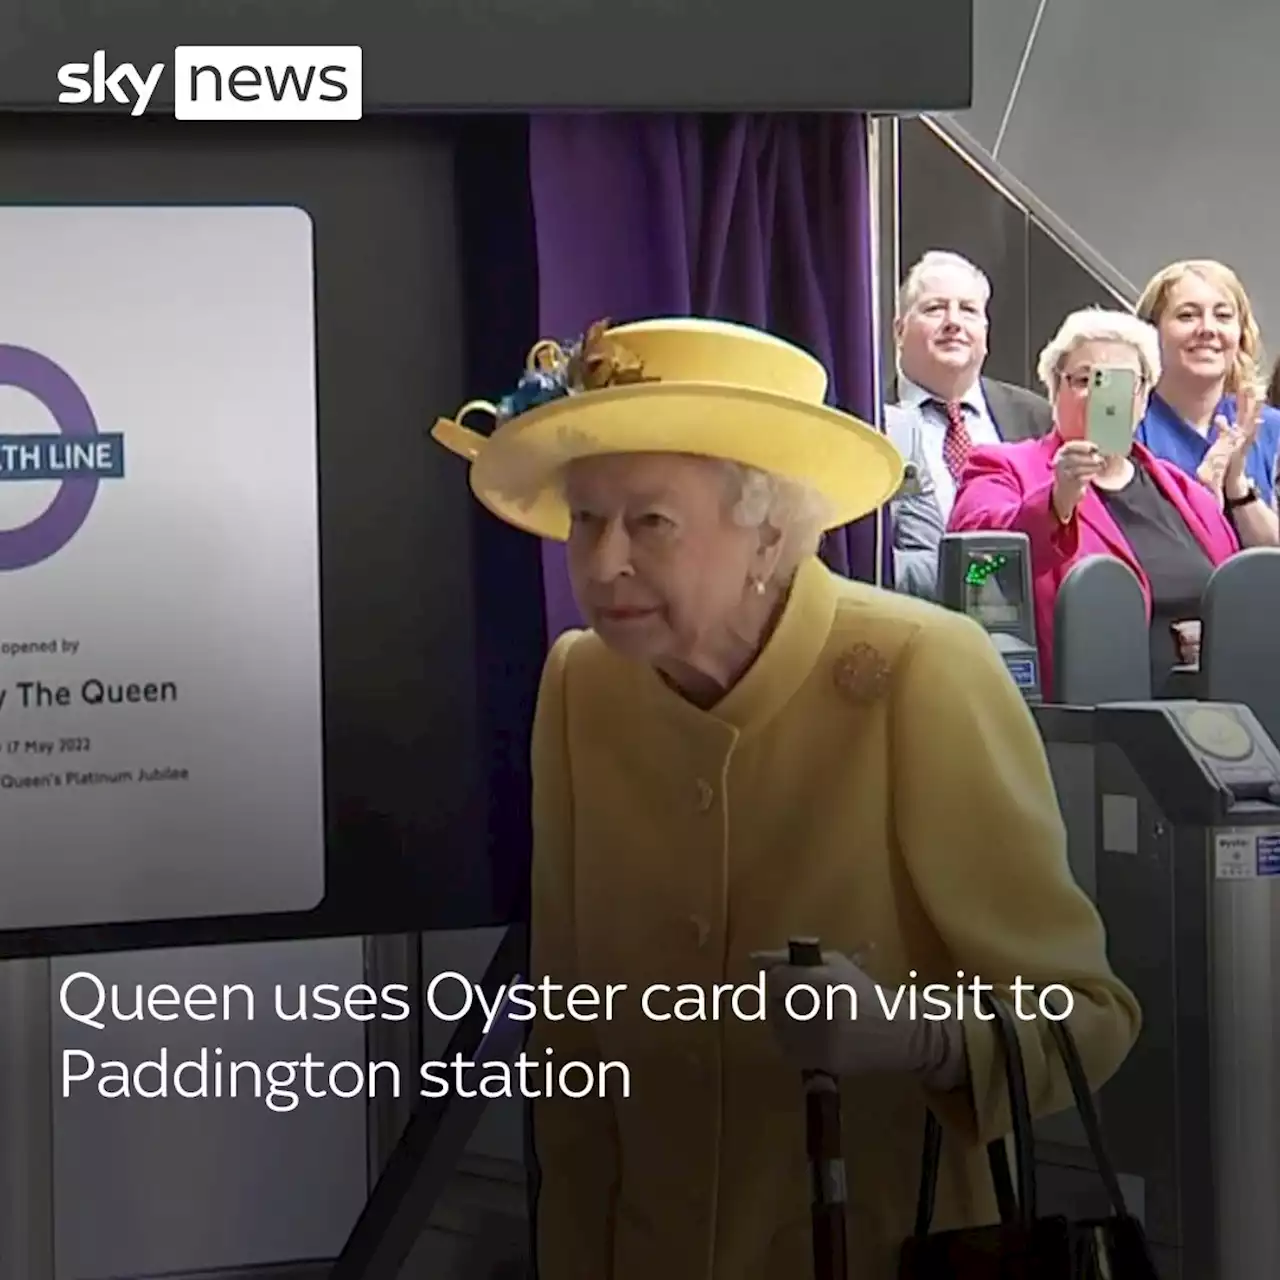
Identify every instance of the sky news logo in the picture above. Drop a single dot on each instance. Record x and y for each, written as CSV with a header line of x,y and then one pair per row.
x,y
229,82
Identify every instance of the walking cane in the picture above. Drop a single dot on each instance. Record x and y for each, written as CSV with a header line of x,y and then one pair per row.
x,y
825,1148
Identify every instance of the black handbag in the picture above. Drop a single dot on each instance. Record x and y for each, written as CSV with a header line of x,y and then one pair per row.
x,y
1024,1245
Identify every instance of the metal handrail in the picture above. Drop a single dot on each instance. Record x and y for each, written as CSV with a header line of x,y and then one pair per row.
x,y
991,171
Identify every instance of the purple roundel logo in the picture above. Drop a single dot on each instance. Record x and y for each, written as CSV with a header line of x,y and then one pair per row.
x,y
78,457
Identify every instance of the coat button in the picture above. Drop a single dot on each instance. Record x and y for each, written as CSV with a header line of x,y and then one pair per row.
x,y
706,795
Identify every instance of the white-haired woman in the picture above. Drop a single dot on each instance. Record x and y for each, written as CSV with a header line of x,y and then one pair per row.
x,y
1072,500
744,748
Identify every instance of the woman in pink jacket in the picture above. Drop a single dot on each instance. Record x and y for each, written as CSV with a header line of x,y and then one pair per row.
x,y
1072,501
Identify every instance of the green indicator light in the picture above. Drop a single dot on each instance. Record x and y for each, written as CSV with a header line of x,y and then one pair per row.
x,y
982,570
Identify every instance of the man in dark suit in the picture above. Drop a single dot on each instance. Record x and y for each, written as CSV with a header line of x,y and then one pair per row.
x,y
945,406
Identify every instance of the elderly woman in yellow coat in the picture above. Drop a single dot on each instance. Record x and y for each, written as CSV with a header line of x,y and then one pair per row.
x,y
743,748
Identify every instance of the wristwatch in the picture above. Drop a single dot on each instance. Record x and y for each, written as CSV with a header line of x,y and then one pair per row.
x,y
1251,495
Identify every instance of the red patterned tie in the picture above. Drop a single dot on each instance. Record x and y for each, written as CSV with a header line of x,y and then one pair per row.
x,y
957,444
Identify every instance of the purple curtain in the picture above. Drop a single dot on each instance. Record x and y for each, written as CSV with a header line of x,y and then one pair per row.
x,y
764,220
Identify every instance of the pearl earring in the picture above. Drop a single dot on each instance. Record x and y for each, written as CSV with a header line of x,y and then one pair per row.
x,y
757,585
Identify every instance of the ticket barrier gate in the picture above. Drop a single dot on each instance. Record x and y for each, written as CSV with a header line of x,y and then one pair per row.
x,y
1185,868
1096,663
1240,646
1173,817
1109,661
988,577
1101,646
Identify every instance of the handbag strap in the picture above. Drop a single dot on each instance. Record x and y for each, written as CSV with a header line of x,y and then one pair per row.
x,y
1014,1207
1024,1146
1002,1180
930,1164
1082,1095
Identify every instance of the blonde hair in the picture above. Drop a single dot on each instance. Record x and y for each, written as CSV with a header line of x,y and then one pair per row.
x,y
938,260
1246,369
1094,324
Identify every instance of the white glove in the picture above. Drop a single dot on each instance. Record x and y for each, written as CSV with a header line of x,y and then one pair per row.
x,y
870,1044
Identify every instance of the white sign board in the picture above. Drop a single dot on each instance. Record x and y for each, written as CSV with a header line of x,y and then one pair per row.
x,y
1246,853
161,751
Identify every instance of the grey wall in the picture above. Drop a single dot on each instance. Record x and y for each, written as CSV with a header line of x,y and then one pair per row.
x,y
1148,127
945,202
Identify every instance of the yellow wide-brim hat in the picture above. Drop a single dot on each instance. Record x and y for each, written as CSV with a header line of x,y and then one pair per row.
x,y
686,386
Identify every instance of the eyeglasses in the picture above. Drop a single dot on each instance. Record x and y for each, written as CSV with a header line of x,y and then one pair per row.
x,y
1079,380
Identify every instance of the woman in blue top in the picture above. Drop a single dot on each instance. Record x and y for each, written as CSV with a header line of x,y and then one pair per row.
x,y
1210,353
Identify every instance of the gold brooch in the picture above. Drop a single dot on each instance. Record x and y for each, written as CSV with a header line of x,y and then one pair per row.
x,y
861,675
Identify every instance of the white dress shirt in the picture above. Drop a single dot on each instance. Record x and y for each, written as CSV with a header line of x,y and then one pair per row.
x,y
933,432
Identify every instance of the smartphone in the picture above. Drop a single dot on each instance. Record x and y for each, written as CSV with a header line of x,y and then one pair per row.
x,y
1109,420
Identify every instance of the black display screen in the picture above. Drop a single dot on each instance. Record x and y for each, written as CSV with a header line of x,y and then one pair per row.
x,y
993,594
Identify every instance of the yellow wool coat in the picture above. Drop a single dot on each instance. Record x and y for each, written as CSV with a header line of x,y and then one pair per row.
x,y
874,779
